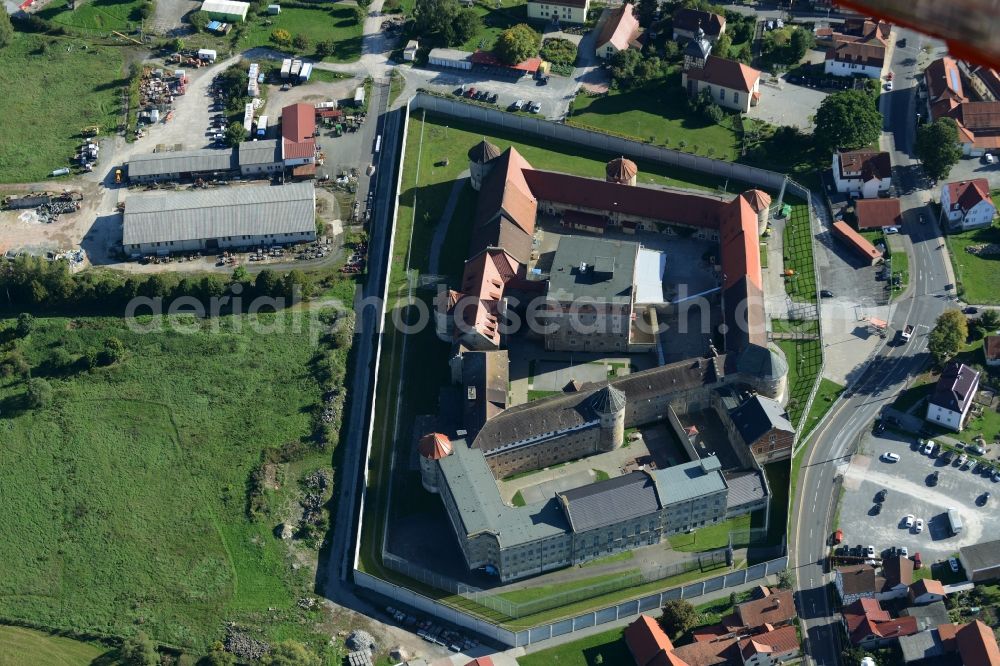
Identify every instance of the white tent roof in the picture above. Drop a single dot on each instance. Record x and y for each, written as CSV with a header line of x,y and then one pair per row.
x,y
649,268
229,7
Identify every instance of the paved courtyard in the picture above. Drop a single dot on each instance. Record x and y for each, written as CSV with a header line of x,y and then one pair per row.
x,y
909,493
785,103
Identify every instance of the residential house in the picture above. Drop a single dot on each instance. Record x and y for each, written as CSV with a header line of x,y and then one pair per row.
x,y
731,84
878,213
762,425
928,616
775,608
869,626
620,32
855,59
687,23
862,173
967,204
856,582
898,574
991,350
298,147
771,647
981,561
971,644
978,120
953,395
649,644
926,590
559,11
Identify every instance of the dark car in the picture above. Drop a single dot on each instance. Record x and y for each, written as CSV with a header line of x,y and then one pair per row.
x,y
971,310
826,293
879,427
876,509
932,480
946,458
881,495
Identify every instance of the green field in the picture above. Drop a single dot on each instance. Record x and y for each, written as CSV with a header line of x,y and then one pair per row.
x,y
324,23
128,492
709,538
610,645
805,358
57,87
976,276
26,647
495,20
798,254
826,395
100,16
658,114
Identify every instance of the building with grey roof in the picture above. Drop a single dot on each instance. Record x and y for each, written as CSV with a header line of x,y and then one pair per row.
x,y
981,561
932,615
180,165
761,425
260,158
212,219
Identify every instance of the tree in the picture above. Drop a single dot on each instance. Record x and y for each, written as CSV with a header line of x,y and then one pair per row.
x,y
990,320
114,351
199,20
516,44
268,283
785,580
6,30
290,653
39,393
138,651
801,41
948,335
646,12
678,616
847,119
177,44
240,274
434,22
723,47
235,134
281,37
218,657
623,66
465,25
301,43
937,147
25,325
325,48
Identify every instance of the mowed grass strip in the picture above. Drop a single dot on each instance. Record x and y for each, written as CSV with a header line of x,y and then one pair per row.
x,y
976,275
27,647
127,494
334,23
55,88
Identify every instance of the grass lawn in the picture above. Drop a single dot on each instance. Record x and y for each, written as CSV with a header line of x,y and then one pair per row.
x,y
570,588
976,276
610,645
518,499
921,388
538,395
826,395
709,538
804,360
658,114
97,15
128,492
61,88
798,255
26,647
324,23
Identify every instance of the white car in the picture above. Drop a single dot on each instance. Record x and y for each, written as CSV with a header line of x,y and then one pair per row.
x,y
919,526
888,85
953,563
988,157
870,551
962,459
535,108
908,520
928,447
904,551
892,230
890,457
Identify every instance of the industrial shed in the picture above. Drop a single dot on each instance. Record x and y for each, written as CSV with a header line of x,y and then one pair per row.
x,y
226,10
452,58
231,217
260,158
981,561
180,165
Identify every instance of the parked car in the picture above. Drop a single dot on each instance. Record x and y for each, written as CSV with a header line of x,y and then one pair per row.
x,y
976,450
928,447
879,427
888,85
962,459
470,93
890,457
535,107
908,520
953,563
904,551
918,526
984,498
516,106
932,480
989,159
837,537
881,495
870,551
996,476
876,509
970,310
917,561
826,293
892,230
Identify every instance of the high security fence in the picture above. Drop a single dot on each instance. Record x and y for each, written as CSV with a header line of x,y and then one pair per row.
x,y
518,637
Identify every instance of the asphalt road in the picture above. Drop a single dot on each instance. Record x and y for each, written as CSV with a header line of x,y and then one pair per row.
x,y
888,371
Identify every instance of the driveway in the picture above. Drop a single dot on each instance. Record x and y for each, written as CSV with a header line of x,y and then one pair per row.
x,y
784,103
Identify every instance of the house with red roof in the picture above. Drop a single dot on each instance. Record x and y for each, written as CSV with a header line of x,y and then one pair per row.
x,y
862,173
855,59
971,644
967,204
620,32
869,626
978,120
731,84
771,647
298,147
991,350
649,644
878,213
926,591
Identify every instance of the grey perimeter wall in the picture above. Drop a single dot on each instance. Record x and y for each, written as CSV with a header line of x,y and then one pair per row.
x,y
613,145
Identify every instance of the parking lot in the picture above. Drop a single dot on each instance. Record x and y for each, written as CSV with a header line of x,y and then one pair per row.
x,y
907,483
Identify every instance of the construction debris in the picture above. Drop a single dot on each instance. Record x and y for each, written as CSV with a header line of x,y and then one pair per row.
x,y
244,646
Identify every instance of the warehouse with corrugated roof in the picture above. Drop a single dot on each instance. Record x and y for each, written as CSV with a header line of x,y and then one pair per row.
x,y
230,217
179,165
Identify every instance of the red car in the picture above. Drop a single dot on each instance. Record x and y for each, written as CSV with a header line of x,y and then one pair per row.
x,y
470,93
917,562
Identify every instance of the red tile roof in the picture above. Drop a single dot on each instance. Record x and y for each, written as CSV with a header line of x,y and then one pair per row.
x,y
991,346
298,149
776,641
877,213
709,653
776,608
649,644
489,59
978,645
926,586
726,73
481,661
858,242
944,81
966,194
758,199
869,163
620,28
868,54
434,446
865,618
692,19
979,116
739,245
298,122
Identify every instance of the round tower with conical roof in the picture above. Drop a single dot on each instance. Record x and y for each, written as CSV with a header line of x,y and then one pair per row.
x,y
609,405
480,157
432,447
621,170
760,201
